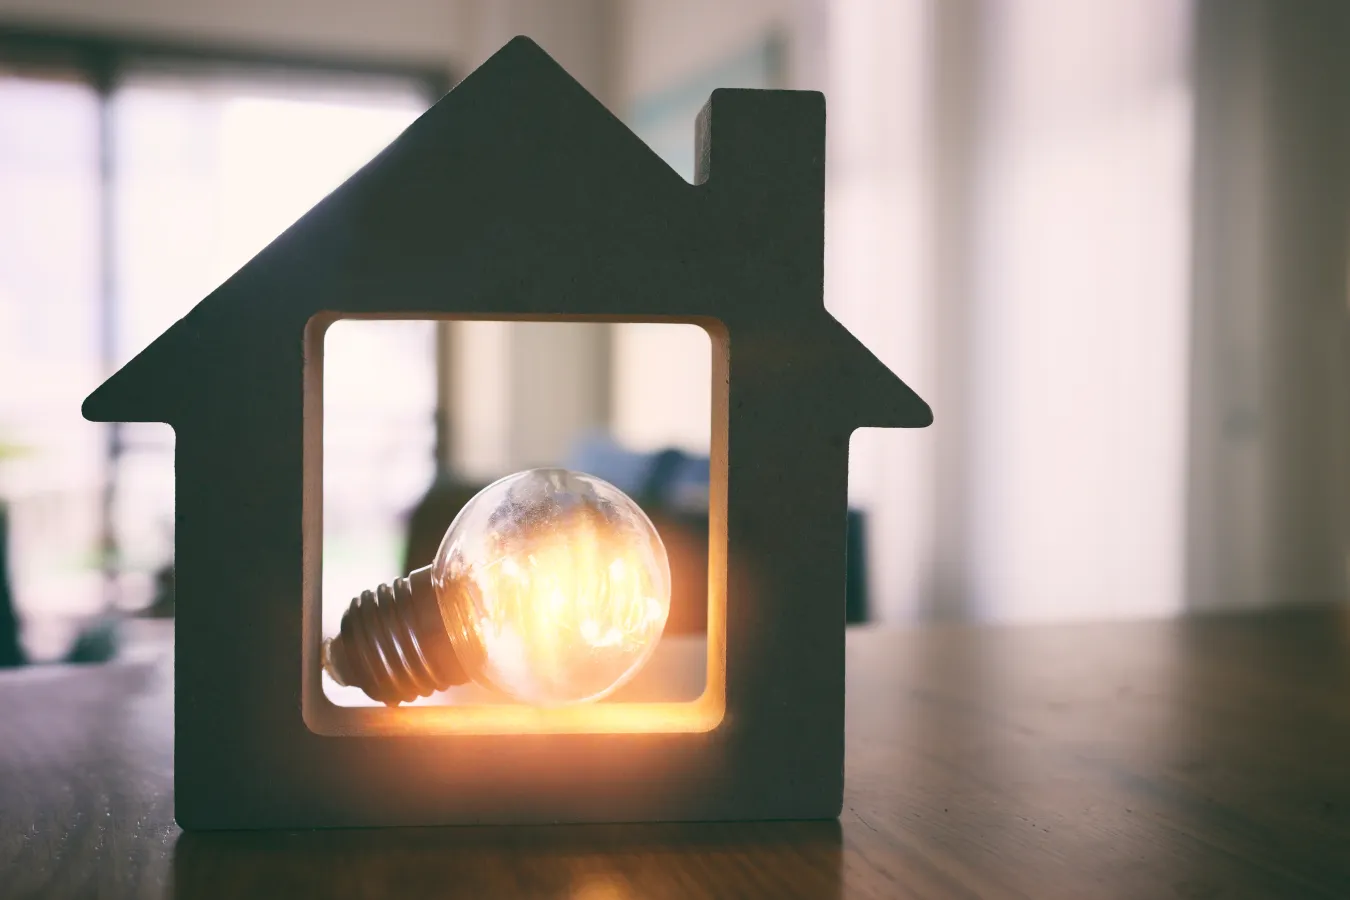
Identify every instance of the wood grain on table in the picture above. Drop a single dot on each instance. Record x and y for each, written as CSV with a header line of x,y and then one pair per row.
x,y
1201,758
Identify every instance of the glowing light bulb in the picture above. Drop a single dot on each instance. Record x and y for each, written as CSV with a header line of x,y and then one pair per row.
x,y
550,587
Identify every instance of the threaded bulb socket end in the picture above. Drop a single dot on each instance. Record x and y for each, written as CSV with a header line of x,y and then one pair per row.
x,y
393,644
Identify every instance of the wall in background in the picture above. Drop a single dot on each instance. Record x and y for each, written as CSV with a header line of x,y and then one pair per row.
x,y
1269,468
1079,322
663,44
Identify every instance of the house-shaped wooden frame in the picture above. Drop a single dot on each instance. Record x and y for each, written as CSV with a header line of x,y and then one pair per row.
x,y
519,196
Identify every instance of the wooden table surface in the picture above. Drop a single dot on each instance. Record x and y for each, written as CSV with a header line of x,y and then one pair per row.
x,y
1203,758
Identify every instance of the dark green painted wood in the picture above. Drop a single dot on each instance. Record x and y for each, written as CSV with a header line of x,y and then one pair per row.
x,y
519,196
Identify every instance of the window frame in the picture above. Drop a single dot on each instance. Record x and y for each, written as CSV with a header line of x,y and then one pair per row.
x,y
103,62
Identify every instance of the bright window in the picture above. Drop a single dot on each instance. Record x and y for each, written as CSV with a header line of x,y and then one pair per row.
x,y
122,210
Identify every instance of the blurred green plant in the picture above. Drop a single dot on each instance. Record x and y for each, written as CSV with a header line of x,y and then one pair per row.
x,y
10,450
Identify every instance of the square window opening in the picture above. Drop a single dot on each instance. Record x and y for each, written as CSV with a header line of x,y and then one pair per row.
x,y
408,419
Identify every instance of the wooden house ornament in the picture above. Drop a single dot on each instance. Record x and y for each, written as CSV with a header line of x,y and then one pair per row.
x,y
518,196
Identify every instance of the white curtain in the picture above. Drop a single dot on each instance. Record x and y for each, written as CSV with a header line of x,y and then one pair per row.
x,y
1008,227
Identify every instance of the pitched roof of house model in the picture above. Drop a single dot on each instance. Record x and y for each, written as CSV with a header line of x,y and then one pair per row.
x,y
519,171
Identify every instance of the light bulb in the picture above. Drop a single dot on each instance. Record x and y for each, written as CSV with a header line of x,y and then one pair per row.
x,y
550,587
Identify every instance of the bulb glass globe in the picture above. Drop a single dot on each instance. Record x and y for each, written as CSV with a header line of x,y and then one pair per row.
x,y
554,587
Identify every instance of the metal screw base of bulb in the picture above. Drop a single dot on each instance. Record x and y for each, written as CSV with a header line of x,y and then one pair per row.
x,y
393,644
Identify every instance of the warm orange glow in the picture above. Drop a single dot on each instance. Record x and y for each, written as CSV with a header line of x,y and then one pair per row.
x,y
572,614
703,714
696,716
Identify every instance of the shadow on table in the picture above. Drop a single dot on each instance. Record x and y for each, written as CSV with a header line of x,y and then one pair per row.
x,y
586,862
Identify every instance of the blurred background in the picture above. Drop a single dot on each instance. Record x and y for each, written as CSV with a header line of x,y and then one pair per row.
x,y
1106,241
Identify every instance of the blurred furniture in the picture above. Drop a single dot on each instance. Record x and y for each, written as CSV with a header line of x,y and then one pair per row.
x,y
96,641
432,516
1191,758
672,488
